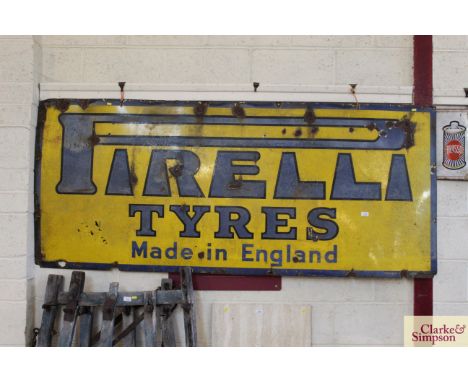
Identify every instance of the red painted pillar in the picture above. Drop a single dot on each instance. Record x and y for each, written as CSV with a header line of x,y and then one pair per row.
x,y
422,96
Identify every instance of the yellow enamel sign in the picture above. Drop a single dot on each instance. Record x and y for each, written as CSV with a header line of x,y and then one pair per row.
x,y
225,187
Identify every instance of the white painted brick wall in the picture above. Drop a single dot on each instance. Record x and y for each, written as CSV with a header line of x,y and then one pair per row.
x,y
387,67
14,322
260,324
16,60
19,67
306,67
450,284
370,324
450,58
450,67
62,64
222,60
344,311
176,65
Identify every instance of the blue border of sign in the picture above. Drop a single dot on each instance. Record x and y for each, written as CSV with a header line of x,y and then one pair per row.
x,y
64,103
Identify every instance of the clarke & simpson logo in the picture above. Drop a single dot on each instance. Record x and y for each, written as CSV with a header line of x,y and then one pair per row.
x,y
433,334
436,331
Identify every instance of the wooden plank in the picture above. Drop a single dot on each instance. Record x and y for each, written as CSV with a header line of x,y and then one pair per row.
x,y
168,334
107,328
86,325
169,297
50,309
86,299
148,325
128,317
132,327
157,328
117,322
71,309
131,299
188,307
159,325
166,322
124,299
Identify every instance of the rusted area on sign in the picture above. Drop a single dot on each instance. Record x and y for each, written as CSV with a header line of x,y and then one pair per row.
x,y
37,213
298,132
99,228
408,127
351,273
133,175
311,234
177,169
235,184
84,103
371,126
309,117
238,111
62,105
93,139
41,118
314,130
200,109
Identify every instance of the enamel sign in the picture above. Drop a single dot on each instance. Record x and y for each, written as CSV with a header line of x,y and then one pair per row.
x,y
240,188
451,136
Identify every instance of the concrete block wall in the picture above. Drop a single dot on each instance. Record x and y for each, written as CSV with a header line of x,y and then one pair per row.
x,y
222,60
343,311
451,282
450,57
20,66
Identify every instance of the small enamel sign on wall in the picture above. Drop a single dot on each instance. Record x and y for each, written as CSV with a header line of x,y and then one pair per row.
x,y
451,131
